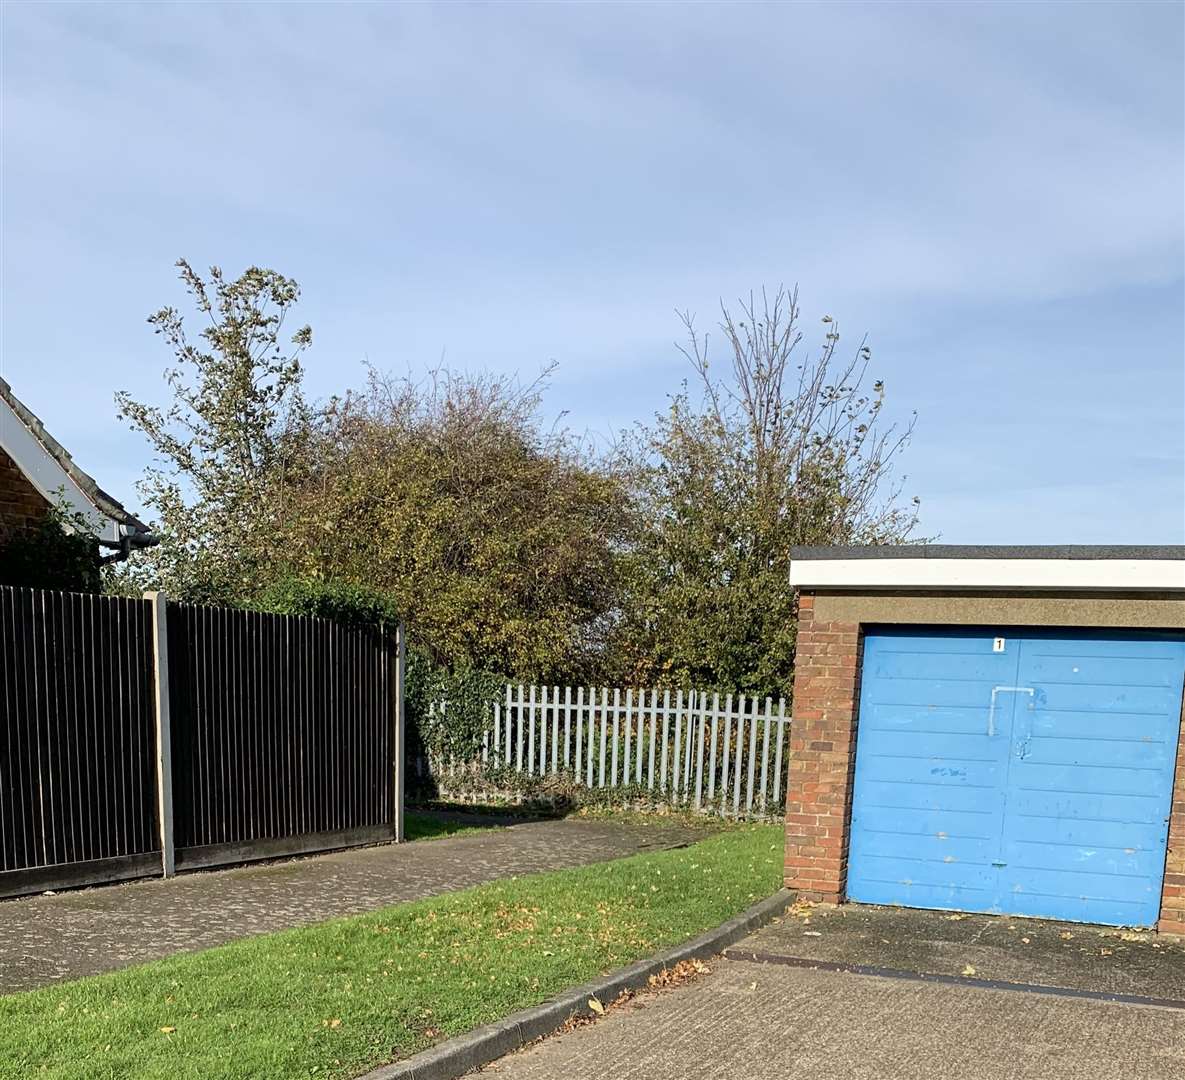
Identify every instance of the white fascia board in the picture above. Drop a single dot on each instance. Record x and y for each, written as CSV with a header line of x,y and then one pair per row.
x,y
46,474
1152,574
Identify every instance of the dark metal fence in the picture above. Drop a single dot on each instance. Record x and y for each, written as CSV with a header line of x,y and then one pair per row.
x,y
273,735
281,733
77,736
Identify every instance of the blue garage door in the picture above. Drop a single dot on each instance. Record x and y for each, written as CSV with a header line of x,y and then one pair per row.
x,y
1027,775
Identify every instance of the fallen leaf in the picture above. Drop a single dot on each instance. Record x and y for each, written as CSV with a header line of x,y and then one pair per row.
x,y
596,1006
752,986
681,972
168,1029
968,969
1025,940
1105,952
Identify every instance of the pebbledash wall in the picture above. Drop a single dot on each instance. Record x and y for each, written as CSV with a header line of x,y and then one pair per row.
x,y
845,592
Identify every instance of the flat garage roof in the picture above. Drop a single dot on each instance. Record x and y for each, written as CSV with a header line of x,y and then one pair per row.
x,y
1159,568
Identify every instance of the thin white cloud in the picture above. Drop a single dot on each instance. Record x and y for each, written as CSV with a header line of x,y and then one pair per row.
x,y
522,182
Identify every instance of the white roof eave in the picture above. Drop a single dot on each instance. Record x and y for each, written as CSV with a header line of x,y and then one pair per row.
x,y
1156,575
48,476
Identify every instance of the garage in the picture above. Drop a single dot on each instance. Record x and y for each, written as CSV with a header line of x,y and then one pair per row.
x,y
991,730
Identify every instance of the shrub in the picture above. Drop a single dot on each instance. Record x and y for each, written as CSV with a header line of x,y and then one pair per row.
x,y
58,553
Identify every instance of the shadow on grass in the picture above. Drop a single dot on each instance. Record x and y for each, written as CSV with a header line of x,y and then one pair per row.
x,y
442,819
429,820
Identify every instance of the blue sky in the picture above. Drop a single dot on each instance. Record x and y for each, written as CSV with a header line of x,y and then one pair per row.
x,y
993,193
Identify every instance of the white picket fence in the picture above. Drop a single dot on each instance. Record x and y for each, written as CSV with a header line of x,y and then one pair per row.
x,y
721,754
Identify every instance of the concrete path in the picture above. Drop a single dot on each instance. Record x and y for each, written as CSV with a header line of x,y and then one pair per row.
x,y
49,938
1071,955
768,1022
761,1016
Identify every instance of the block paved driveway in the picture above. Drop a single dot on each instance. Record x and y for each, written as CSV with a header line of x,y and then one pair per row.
x,y
48,938
771,1022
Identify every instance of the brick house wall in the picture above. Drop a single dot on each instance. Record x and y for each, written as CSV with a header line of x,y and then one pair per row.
x,y
21,504
823,759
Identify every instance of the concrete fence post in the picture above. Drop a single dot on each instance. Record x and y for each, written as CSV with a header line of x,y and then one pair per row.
x,y
399,732
164,751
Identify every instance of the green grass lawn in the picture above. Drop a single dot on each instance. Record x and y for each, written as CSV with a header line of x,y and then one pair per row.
x,y
343,996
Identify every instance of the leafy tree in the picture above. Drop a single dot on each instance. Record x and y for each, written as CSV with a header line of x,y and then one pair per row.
x,y
230,440
783,449
494,536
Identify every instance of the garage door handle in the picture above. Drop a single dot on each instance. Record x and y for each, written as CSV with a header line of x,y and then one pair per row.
x,y
991,727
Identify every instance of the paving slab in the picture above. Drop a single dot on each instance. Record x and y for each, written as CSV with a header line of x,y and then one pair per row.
x,y
49,938
767,1022
1031,951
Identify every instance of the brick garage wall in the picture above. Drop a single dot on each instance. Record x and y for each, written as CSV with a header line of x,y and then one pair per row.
x,y
822,769
1172,906
21,504
822,754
